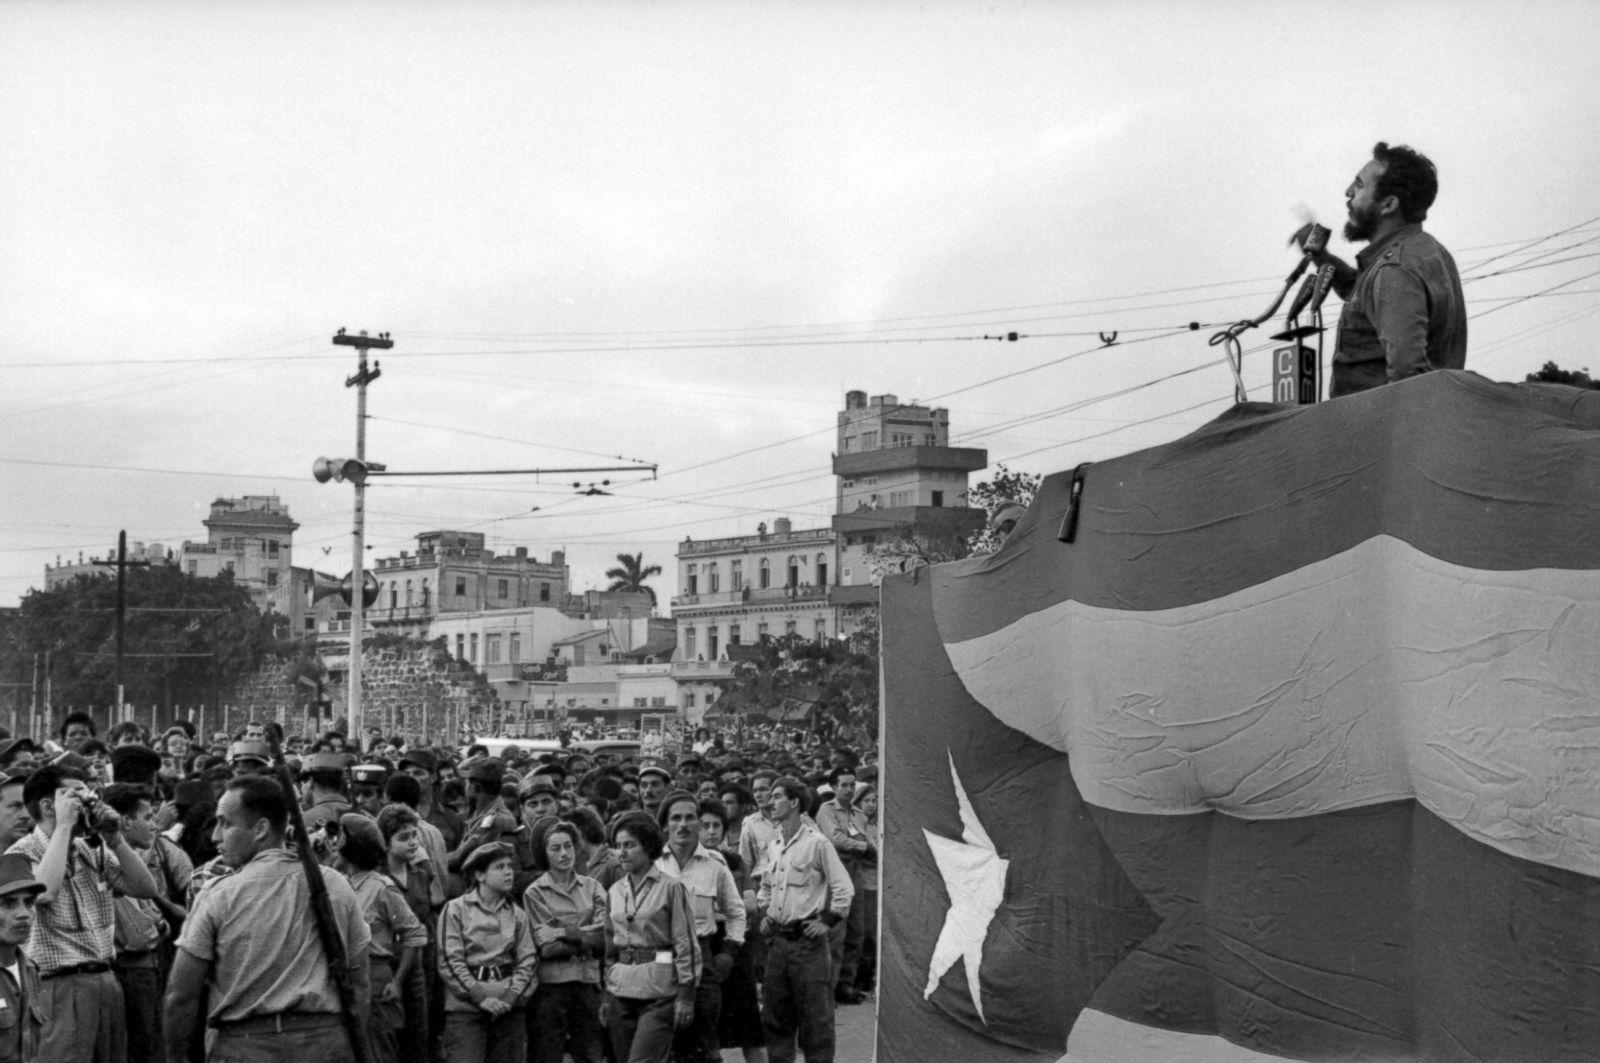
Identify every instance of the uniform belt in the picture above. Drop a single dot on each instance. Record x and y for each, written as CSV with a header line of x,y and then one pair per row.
x,y
492,972
281,1022
638,954
793,931
77,968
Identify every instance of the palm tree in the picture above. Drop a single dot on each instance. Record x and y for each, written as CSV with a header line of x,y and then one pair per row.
x,y
631,574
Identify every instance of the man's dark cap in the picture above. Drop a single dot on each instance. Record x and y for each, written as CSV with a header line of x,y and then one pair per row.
x,y
11,745
324,762
134,763
655,769
484,769
422,758
539,784
16,876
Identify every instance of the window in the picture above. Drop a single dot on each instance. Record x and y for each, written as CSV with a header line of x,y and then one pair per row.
x,y
736,576
929,439
503,588
408,594
491,646
272,548
900,498
461,586
472,648
761,630
544,592
791,627
311,623
694,579
516,647
228,565
821,632
713,577
711,643
688,701
847,576
794,572
900,439
688,644
849,446
194,568
640,703
869,440
733,634
424,594
394,595
272,577
938,498
461,647
766,574
822,570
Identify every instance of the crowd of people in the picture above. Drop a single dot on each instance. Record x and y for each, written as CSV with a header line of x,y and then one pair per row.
x,y
169,899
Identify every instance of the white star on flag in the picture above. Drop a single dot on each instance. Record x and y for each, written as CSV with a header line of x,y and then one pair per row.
x,y
975,877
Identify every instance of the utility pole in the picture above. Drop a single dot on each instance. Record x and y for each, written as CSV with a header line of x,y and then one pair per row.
x,y
364,376
122,563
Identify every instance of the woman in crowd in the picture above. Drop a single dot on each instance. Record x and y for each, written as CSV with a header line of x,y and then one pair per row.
x,y
487,961
867,971
650,943
739,1021
567,911
397,935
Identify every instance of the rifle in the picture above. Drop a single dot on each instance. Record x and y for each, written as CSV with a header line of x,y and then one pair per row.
x,y
327,930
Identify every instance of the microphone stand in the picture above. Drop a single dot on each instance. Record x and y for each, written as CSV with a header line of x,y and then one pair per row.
x,y
1316,239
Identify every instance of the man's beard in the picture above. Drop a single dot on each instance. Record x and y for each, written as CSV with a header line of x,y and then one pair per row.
x,y
1359,228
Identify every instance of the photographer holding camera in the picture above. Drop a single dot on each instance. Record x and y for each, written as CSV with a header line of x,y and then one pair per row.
x,y
73,937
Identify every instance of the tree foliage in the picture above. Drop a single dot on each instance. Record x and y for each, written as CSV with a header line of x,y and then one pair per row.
x,y
185,637
830,685
1550,373
897,552
631,573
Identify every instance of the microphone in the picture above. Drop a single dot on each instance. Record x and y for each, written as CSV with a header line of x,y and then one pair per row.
x,y
1303,296
1323,282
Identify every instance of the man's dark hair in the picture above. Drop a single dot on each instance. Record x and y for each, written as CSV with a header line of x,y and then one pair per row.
x,y
741,793
261,796
45,782
589,824
1409,176
402,789
77,717
795,789
126,727
124,797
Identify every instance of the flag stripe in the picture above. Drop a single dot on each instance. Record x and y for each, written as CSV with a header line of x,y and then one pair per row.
x,y
1375,675
1485,476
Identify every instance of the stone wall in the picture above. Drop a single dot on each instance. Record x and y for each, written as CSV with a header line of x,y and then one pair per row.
x,y
407,688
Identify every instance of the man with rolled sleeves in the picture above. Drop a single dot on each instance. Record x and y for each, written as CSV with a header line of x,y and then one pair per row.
x,y
22,1016
805,893
252,941
74,933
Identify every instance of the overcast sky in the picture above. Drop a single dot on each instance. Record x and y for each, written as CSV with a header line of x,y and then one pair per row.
x,y
679,232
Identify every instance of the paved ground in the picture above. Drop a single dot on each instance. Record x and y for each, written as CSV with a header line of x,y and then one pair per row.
x,y
853,1028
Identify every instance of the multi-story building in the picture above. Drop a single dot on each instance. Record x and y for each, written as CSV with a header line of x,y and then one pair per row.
x,y
454,572
64,572
898,477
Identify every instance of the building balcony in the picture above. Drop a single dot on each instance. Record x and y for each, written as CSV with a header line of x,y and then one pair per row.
x,y
416,614
701,671
709,599
947,520
742,543
899,459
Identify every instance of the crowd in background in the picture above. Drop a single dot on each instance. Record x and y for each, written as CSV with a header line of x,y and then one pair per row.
x,y
157,898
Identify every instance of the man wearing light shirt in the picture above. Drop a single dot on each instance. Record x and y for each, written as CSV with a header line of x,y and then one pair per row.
x,y
846,827
713,896
805,893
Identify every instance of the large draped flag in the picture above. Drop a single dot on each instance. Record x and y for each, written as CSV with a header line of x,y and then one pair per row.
x,y
1292,752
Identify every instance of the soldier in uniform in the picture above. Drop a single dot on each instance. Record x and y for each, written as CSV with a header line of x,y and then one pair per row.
x,y
325,773
21,996
272,995
366,788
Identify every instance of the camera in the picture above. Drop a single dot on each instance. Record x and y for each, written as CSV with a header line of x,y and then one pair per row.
x,y
93,814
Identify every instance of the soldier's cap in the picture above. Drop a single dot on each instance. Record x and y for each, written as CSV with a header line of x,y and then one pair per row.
x,y
12,745
247,750
134,763
689,760
364,832
16,876
484,769
484,855
369,774
657,770
422,758
324,762
539,784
